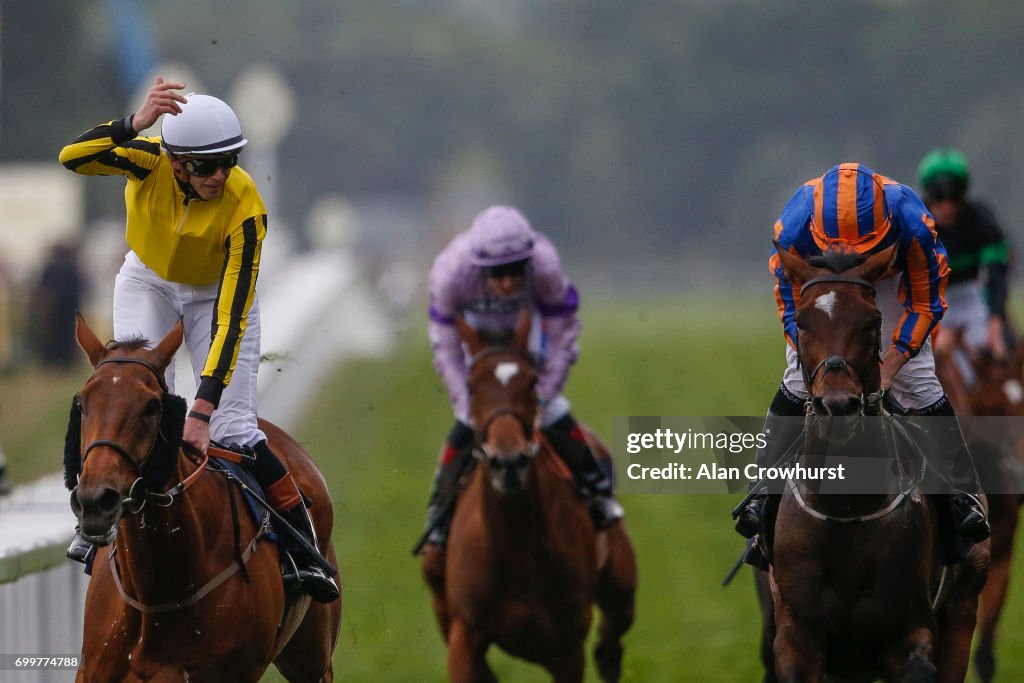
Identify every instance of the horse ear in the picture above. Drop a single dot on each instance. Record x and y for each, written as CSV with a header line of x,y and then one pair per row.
x,y
168,346
877,265
521,336
469,335
88,340
796,269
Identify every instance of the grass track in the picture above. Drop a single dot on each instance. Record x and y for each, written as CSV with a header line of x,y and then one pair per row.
x,y
375,430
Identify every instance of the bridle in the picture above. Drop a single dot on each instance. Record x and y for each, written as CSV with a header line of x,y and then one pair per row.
x,y
138,492
835,362
504,409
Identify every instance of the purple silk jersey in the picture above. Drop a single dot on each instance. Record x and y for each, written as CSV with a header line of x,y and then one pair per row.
x,y
459,287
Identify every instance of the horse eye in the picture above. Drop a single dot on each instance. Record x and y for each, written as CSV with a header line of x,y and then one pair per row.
x,y
153,407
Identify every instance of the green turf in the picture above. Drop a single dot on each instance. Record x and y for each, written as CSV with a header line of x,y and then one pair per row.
x,y
33,415
376,429
376,432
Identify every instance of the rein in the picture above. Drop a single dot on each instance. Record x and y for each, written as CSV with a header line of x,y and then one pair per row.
x,y
907,491
238,565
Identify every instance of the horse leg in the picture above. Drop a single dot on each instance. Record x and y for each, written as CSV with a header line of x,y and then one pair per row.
x,y
307,655
1003,510
467,661
432,566
568,669
911,661
616,590
798,653
958,615
764,598
956,628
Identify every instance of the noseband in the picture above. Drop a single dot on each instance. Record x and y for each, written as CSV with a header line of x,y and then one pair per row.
x,y
839,363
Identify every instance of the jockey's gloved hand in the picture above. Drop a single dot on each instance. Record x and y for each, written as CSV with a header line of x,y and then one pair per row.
x,y
892,362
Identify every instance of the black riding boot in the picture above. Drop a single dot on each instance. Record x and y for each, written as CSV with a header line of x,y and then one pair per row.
x,y
567,439
458,450
951,459
301,570
782,427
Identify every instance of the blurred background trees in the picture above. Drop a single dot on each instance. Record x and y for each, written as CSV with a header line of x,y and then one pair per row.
x,y
649,132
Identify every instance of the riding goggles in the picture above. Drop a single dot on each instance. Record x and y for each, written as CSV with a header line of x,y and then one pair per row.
x,y
514,269
203,167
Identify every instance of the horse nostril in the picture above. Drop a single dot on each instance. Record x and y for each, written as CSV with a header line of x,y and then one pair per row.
x,y
109,500
821,407
838,405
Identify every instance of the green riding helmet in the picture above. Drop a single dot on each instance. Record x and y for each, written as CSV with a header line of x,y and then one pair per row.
x,y
943,172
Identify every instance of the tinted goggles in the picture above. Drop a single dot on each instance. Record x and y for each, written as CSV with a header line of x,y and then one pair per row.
x,y
514,269
943,189
204,167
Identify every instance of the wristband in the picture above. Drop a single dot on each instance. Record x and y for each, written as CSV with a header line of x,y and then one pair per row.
x,y
202,417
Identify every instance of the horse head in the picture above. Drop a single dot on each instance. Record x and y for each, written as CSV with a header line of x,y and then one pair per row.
x,y
503,404
839,326
129,431
998,387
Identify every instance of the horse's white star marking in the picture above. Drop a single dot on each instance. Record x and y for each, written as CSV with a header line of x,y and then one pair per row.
x,y
827,303
506,371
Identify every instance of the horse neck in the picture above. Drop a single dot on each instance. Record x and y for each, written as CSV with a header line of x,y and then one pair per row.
x,y
522,519
161,550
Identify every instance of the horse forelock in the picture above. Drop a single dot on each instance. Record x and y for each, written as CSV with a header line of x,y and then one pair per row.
x,y
133,342
837,260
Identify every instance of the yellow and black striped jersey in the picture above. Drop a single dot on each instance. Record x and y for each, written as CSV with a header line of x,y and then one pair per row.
x,y
183,238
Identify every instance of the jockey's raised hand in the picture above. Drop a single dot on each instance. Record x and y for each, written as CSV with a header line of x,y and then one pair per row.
x,y
161,99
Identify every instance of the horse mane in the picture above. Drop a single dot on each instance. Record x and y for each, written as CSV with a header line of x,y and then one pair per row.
x,y
837,260
495,336
131,343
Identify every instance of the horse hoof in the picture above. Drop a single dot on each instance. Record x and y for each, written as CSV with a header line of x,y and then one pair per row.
x,y
919,670
608,657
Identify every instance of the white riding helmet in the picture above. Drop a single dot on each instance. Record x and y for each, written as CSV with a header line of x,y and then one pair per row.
x,y
206,125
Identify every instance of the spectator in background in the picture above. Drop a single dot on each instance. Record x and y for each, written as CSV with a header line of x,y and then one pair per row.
x,y
5,480
57,296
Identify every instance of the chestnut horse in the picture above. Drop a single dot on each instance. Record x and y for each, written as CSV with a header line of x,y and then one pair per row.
x,y
524,565
996,400
188,591
858,584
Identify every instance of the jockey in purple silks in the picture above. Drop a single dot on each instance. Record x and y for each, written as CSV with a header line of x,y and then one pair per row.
x,y
487,274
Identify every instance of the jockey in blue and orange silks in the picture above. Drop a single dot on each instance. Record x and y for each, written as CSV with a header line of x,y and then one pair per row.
x,y
487,274
852,208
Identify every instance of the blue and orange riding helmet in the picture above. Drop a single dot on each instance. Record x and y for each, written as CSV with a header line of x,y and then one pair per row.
x,y
850,210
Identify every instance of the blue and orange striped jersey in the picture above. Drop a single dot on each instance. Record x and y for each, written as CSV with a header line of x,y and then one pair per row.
x,y
852,207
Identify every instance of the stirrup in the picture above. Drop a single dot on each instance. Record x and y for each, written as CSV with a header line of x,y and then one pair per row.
x,y
309,578
753,555
605,511
80,549
971,521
